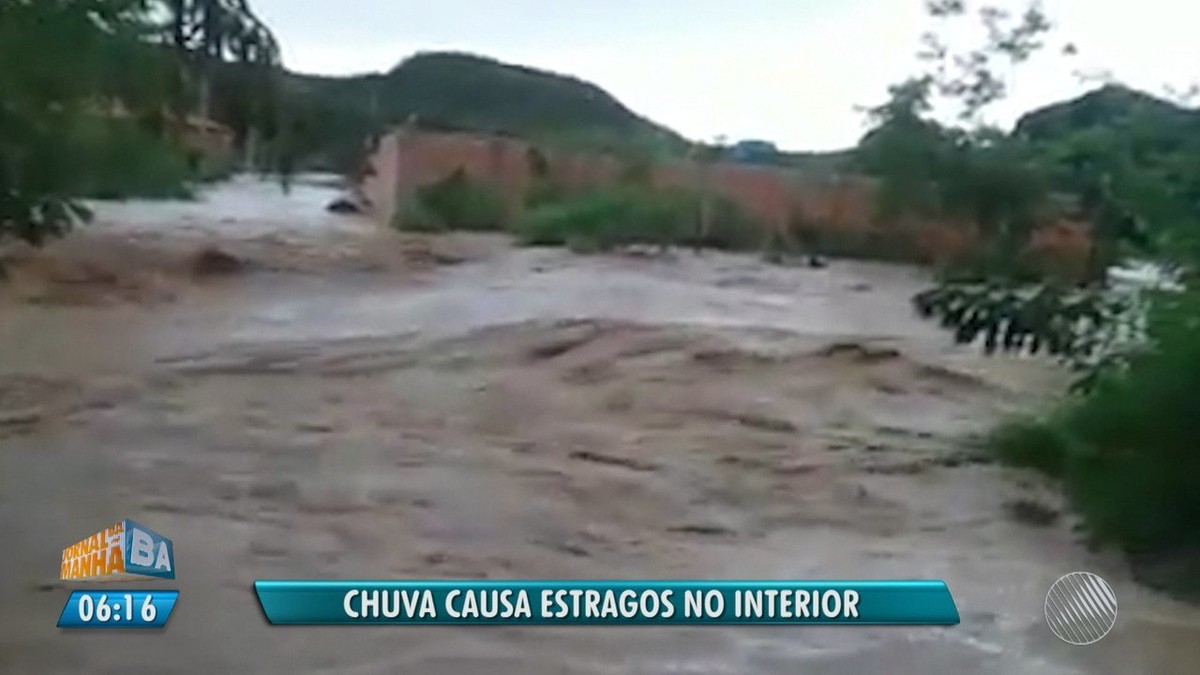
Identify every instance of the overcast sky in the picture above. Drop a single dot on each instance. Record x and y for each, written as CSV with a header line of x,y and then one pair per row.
x,y
791,71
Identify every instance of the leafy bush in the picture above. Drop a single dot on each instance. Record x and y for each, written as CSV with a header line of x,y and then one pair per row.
x,y
544,191
460,203
1139,483
57,61
1127,450
212,170
454,203
730,227
636,214
604,219
1041,444
117,159
883,246
1023,319
413,216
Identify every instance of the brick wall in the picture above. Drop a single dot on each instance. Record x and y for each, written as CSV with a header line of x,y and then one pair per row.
x,y
779,197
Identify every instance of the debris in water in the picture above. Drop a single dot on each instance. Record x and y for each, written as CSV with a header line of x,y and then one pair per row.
x,y
13,418
704,530
1032,512
859,351
212,261
560,345
344,206
772,424
597,458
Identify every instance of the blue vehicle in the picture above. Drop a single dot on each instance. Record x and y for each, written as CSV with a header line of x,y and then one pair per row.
x,y
755,152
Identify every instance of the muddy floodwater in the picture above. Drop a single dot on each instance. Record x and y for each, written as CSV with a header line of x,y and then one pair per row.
x,y
292,394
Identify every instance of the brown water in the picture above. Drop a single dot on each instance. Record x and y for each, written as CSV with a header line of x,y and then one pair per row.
x,y
344,409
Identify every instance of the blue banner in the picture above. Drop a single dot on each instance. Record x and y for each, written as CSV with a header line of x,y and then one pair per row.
x,y
624,603
118,608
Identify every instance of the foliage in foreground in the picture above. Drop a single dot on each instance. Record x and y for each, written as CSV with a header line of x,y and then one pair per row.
x,y
1127,451
1125,444
1044,318
55,60
67,66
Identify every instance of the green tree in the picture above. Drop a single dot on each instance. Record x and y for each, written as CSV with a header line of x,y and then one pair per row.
x,y
58,63
209,33
998,183
1124,446
230,59
905,150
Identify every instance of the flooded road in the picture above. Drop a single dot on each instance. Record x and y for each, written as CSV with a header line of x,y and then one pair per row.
x,y
350,403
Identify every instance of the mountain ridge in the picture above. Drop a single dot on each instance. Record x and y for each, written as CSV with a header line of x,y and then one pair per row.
x,y
1108,105
461,91
454,89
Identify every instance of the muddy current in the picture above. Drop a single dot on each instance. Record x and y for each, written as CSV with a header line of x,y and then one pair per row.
x,y
292,394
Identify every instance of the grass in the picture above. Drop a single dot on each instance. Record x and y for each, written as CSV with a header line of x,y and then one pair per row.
x,y
604,219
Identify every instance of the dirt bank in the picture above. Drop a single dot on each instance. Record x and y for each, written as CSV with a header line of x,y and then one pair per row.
x,y
534,414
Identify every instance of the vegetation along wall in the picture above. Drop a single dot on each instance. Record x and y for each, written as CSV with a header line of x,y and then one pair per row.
x,y
840,208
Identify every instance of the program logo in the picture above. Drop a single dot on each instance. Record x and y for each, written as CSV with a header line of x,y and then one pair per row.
x,y
1081,608
122,552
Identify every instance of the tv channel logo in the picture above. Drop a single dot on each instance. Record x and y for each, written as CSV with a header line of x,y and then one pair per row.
x,y
121,552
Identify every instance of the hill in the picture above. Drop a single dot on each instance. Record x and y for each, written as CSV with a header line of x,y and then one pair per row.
x,y
452,91
1129,157
455,91
1113,107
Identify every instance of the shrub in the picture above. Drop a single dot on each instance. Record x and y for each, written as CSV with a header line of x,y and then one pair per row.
x,y
730,227
1041,444
603,219
552,224
460,203
544,191
636,214
206,170
866,244
1139,481
454,203
117,159
413,216
1129,449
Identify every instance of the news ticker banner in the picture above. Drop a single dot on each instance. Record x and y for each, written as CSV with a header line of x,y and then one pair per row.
x,y
615,603
118,608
